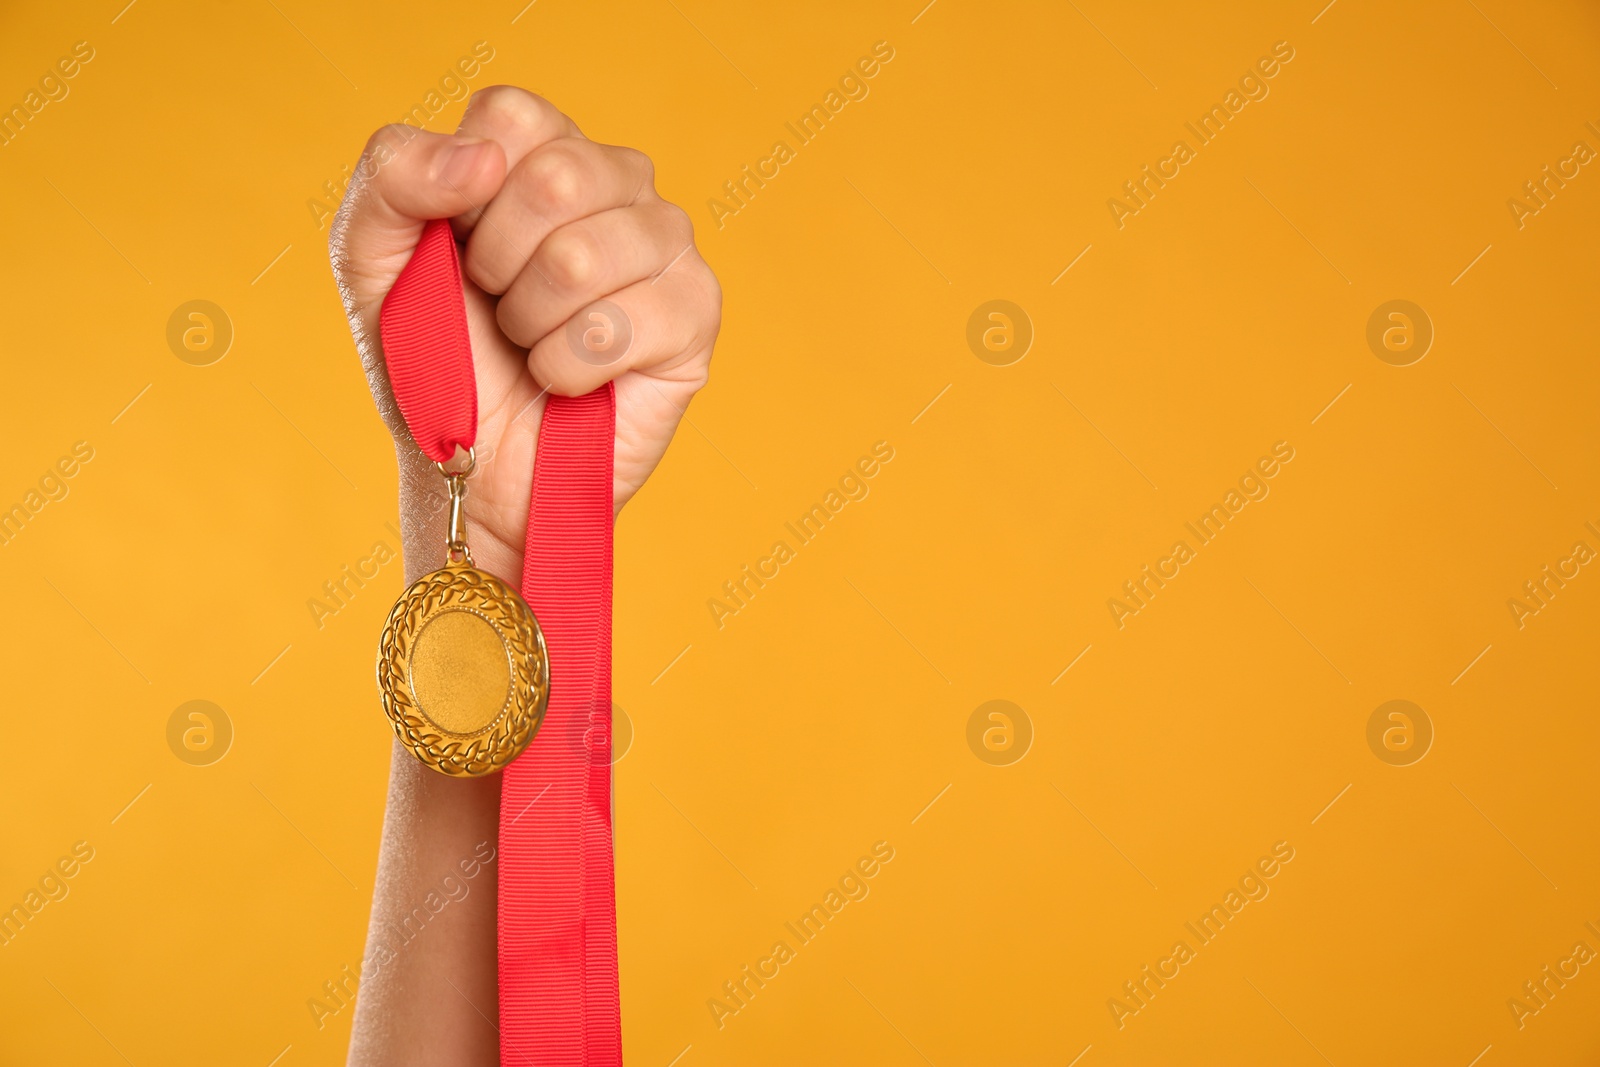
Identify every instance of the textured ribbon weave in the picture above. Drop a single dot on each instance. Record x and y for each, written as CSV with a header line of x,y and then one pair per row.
x,y
558,911
428,350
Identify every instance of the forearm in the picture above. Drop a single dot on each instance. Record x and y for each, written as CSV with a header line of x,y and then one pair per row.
x,y
428,985
532,203
428,989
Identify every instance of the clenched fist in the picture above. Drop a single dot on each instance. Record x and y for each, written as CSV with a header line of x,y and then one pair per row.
x,y
552,223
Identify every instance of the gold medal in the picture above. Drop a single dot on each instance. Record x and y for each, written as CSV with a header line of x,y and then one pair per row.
x,y
462,665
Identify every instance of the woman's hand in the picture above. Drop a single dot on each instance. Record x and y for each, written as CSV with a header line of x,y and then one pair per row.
x,y
553,223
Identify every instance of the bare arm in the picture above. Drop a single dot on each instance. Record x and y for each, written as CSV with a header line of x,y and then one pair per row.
x,y
552,224
429,975
428,988
428,991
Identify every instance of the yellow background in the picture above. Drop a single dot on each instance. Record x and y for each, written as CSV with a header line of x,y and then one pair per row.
x,y
827,714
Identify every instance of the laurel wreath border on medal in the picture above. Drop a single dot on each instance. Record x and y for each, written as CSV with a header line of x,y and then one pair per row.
x,y
453,587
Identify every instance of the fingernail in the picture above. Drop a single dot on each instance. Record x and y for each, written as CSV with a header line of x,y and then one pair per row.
x,y
463,161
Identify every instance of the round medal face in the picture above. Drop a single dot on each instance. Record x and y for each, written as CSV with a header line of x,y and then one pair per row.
x,y
463,671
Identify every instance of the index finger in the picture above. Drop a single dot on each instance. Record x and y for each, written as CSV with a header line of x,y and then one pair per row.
x,y
517,120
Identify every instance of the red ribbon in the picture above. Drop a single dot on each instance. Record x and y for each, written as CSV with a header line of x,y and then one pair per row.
x,y
559,1004
428,349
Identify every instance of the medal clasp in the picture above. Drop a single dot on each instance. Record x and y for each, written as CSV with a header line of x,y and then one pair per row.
x,y
455,543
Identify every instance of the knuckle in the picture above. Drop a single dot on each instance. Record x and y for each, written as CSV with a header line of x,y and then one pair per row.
x,y
714,297
678,221
514,322
571,260
710,305
702,364
386,143
556,181
511,103
643,166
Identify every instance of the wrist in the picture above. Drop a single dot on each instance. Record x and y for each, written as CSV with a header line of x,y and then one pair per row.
x,y
424,525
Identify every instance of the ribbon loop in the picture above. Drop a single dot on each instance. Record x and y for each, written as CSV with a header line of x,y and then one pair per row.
x,y
428,350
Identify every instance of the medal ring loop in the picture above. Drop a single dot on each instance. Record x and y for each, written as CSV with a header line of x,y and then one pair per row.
x,y
472,463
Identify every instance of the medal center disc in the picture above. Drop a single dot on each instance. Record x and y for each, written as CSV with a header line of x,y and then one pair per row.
x,y
460,671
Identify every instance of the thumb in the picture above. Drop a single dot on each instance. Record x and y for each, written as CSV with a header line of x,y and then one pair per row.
x,y
405,177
